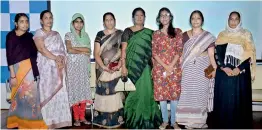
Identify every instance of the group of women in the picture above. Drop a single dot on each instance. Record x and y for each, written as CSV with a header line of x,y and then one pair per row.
x,y
165,65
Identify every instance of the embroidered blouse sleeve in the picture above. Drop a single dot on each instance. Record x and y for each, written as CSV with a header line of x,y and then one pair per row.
x,y
39,34
212,45
126,35
99,36
218,58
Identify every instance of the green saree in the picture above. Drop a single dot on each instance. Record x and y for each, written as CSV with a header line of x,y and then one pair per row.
x,y
141,110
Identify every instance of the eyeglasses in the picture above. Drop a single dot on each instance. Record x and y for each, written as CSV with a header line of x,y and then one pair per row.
x,y
165,15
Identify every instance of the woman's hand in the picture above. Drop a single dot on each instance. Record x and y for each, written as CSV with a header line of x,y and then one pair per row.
x,y
60,62
107,69
58,59
213,74
236,71
124,71
169,68
86,53
228,71
13,81
169,73
116,68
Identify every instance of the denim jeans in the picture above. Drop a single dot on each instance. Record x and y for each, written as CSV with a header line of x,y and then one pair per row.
x,y
164,111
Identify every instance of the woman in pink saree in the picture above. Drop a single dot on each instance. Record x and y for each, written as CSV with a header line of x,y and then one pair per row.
x,y
50,61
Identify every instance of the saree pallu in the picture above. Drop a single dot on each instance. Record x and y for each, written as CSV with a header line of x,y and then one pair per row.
x,y
141,110
25,111
232,95
108,103
196,91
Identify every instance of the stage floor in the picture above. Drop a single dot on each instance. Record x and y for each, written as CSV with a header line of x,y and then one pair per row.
x,y
257,121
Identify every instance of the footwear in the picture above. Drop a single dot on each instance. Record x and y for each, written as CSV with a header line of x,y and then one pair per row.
x,y
205,126
85,122
189,128
77,123
163,126
176,127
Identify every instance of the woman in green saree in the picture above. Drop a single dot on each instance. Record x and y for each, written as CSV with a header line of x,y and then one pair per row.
x,y
140,111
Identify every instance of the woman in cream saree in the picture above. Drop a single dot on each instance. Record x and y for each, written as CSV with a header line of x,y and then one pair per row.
x,y
108,103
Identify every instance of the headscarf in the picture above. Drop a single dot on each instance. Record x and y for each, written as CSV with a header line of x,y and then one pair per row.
x,y
234,30
241,37
83,38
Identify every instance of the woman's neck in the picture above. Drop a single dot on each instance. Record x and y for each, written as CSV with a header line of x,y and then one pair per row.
x,y
165,28
19,32
196,31
110,31
138,27
46,29
77,32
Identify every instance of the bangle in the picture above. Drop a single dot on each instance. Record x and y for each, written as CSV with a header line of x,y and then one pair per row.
x,y
12,77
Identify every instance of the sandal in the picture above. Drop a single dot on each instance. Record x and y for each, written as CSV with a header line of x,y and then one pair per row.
x,y
163,126
77,123
189,128
85,122
176,126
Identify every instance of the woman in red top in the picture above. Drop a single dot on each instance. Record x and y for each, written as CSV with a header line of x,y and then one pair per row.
x,y
167,50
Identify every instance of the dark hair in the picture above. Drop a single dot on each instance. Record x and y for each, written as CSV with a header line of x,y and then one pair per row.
x,y
235,12
108,13
18,16
171,30
200,14
43,13
136,10
79,18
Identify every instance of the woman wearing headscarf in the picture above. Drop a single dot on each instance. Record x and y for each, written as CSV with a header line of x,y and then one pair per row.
x,y
236,60
78,68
